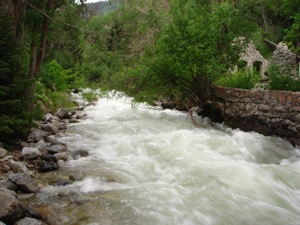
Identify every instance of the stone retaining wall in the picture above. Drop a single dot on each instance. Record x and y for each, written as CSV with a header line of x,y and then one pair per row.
x,y
266,112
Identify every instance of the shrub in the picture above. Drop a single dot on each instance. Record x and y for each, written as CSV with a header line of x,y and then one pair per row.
x,y
240,79
280,81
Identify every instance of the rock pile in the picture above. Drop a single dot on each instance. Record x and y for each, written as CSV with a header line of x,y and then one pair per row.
x,y
42,152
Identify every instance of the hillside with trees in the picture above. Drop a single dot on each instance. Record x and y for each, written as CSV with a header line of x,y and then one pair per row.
x,y
150,49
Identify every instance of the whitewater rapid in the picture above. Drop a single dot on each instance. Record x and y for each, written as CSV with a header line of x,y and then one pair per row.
x,y
148,166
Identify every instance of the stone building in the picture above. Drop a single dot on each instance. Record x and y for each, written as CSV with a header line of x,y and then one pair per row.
x,y
254,59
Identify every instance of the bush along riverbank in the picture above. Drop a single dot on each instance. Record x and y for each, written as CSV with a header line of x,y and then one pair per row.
x,y
20,169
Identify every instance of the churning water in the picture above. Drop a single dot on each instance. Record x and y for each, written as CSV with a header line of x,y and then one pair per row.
x,y
148,166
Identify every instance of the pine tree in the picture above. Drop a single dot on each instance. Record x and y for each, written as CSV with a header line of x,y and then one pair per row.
x,y
14,119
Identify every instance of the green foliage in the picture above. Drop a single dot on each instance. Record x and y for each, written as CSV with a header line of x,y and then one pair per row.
x,y
196,47
240,79
15,121
280,81
55,77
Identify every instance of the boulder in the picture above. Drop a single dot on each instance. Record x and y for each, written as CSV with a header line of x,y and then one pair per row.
x,y
29,221
62,113
37,135
50,128
3,153
60,126
48,157
79,153
61,156
80,115
56,149
53,140
24,182
30,153
19,167
48,166
50,118
43,212
9,192
8,184
41,145
11,208
73,120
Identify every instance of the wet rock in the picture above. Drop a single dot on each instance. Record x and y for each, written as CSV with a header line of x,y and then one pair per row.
x,y
73,120
48,157
3,153
61,156
50,128
29,221
8,184
9,192
11,208
24,182
61,163
50,118
79,153
41,145
48,166
62,113
42,212
80,115
77,176
19,167
60,126
56,149
30,153
53,140
25,196
37,135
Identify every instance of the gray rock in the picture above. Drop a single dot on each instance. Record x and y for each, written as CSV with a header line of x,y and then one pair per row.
x,y
29,221
50,128
53,140
3,153
79,153
73,120
48,157
8,184
11,208
61,156
50,118
48,166
56,149
9,192
19,167
60,126
62,113
37,135
80,115
41,145
30,153
24,182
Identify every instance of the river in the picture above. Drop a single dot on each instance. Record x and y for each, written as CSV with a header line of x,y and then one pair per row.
x,y
148,166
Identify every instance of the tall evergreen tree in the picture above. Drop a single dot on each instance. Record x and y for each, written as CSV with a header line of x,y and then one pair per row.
x,y
14,119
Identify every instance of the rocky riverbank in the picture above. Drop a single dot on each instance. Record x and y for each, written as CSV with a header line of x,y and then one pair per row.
x,y
20,169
